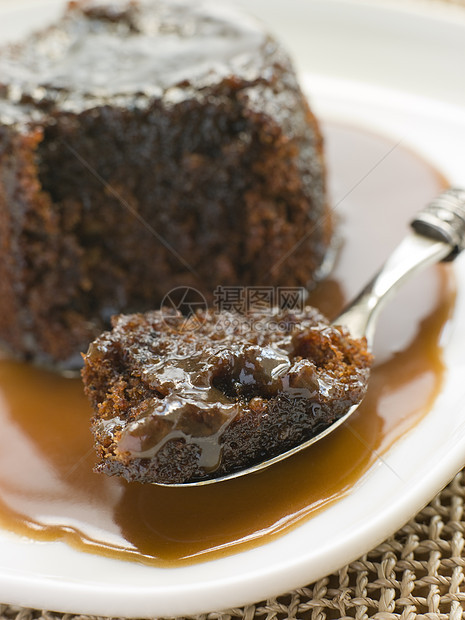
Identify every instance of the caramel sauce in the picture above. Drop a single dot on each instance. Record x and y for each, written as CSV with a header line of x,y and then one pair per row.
x,y
48,490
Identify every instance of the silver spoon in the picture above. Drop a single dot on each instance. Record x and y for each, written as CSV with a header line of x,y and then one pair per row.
x,y
438,234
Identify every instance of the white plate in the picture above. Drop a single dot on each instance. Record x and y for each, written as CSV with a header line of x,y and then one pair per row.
x,y
397,68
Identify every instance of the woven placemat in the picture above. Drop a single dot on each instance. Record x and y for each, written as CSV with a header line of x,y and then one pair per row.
x,y
417,574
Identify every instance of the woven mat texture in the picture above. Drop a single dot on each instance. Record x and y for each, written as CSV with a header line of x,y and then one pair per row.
x,y
417,574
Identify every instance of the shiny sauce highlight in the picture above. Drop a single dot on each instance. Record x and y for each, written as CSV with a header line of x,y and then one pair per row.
x,y
49,492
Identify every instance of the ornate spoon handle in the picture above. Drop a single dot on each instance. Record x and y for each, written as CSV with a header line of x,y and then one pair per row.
x,y
438,234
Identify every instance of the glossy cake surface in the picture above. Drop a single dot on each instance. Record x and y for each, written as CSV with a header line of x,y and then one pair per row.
x,y
179,399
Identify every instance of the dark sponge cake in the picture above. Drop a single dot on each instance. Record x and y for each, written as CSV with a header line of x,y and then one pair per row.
x,y
146,145
178,400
